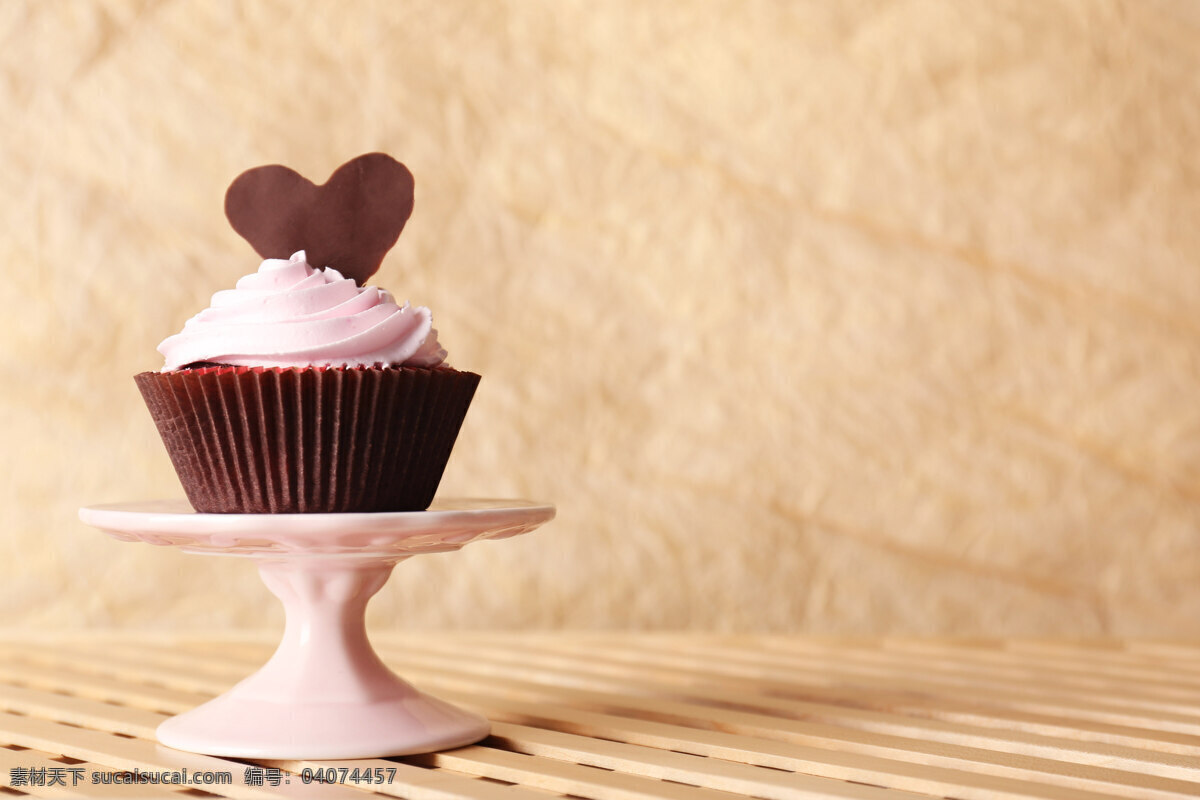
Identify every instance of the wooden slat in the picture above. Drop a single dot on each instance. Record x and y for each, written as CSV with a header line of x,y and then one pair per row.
x,y
120,753
99,715
888,761
673,766
418,783
912,738
1048,770
1022,697
896,693
984,762
1035,679
656,763
917,696
564,777
412,782
29,758
671,716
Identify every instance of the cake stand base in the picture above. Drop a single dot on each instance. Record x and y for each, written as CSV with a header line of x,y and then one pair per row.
x,y
233,726
325,693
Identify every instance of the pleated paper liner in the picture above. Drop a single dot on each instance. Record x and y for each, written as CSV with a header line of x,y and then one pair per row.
x,y
311,440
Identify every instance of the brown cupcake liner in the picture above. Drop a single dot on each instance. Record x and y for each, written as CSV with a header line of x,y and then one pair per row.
x,y
312,440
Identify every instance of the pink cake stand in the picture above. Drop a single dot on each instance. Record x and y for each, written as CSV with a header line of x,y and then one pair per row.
x,y
324,694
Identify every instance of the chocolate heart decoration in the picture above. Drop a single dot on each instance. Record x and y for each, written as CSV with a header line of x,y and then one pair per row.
x,y
348,223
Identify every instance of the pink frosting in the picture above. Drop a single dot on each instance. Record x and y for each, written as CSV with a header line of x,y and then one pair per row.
x,y
289,314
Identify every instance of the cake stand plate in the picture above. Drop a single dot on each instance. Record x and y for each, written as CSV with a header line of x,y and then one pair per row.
x,y
324,694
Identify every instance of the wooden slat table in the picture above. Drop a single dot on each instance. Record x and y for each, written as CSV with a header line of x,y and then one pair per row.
x,y
623,716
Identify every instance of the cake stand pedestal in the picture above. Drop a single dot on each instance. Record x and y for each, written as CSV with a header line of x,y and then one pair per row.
x,y
325,693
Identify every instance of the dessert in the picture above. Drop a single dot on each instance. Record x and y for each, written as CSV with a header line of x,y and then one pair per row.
x,y
302,389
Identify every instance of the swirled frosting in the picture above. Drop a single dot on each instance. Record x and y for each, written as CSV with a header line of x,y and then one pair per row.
x,y
289,314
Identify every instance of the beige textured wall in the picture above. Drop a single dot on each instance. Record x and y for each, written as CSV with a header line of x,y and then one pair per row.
x,y
854,317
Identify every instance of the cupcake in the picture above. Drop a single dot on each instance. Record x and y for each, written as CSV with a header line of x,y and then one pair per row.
x,y
303,390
